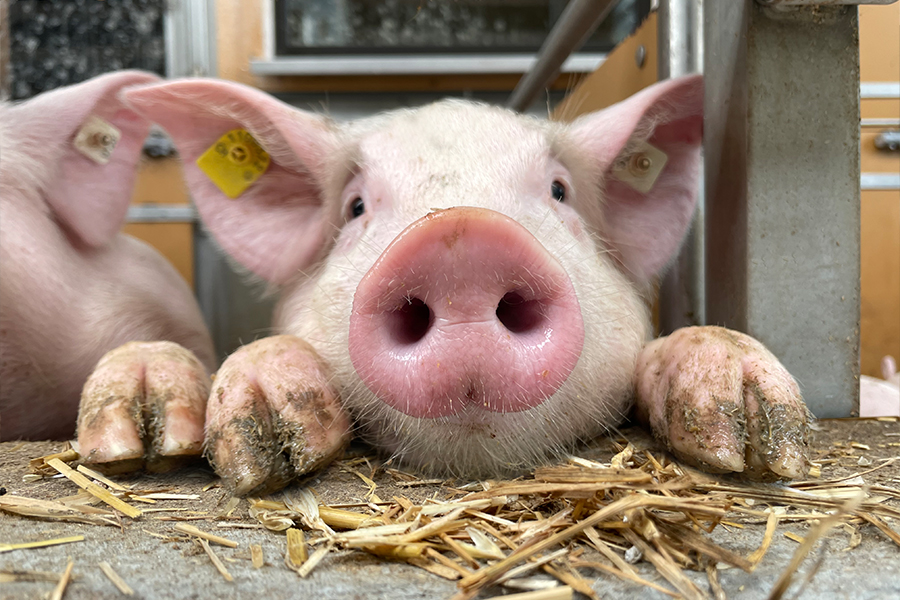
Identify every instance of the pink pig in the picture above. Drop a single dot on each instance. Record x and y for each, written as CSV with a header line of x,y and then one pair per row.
x,y
469,286
73,288
880,397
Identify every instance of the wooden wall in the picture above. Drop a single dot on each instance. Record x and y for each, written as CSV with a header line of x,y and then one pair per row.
x,y
879,58
161,181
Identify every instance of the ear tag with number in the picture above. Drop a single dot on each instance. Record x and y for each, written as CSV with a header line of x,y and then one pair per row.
x,y
641,169
234,162
97,139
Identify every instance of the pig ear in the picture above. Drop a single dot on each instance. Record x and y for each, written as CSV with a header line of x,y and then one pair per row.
x,y
90,143
276,226
646,211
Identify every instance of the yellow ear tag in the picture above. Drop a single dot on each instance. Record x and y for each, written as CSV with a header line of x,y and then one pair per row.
x,y
234,162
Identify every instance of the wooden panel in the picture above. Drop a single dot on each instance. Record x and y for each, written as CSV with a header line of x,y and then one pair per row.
x,y
239,37
879,60
175,241
880,278
880,108
617,78
161,181
879,42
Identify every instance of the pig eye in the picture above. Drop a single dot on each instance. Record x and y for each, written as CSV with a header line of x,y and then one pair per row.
x,y
558,191
357,208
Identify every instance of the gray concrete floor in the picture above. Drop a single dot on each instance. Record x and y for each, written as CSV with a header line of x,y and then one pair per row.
x,y
157,568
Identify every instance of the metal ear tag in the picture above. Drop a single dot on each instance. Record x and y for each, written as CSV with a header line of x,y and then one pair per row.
x,y
641,169
97,139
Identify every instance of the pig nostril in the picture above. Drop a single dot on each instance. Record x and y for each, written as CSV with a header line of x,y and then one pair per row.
x,y
519,315
409,323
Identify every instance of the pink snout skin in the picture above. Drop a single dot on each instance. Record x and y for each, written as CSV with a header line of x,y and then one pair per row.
x,y
465,309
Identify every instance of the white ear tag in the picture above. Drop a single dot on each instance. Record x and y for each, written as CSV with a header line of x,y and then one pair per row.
x,y
641,169
97,139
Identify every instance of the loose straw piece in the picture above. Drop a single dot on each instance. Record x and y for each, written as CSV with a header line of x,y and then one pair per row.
x,y
93,489
115,578
883,527
41,544
818,531
63,580
562,592
191,530
314,560
21,575
101,478
296,548
256,556
756,557
220,566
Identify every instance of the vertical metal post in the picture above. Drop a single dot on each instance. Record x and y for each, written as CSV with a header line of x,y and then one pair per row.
x,y
190,35
680,48
781,143
5,65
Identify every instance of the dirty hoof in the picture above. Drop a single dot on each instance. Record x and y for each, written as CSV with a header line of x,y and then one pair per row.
x,y
721,401
272,416
143,407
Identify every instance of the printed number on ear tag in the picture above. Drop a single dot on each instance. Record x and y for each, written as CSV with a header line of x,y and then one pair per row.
x,y
97,139
234,162
641,169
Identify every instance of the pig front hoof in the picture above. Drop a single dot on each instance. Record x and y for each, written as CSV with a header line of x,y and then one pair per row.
x,y
722,402
272,416
143,406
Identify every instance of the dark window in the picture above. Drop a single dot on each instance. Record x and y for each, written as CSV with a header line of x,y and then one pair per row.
x,y
61,42
435,26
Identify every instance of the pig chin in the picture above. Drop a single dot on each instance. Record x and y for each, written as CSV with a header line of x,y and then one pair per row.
x,y
479,443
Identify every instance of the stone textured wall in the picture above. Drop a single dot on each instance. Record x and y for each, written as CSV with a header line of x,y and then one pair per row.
x,y
61,42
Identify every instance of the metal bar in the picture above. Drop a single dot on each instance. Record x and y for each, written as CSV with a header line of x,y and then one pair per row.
x,y
190,36
5,66
579,19
161,213
879,181
879,122
411,64
781,141
880,89
682,290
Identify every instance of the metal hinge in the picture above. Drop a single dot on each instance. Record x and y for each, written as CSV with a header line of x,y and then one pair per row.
x,y
879,181
889,140
161,213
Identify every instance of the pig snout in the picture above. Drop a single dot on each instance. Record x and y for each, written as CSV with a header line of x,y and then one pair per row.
x,y
465,310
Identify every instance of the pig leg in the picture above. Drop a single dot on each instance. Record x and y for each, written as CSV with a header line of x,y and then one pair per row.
x,y
721,401
889,370
272,416
143,405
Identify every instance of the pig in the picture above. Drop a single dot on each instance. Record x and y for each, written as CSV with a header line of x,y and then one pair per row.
x,y
880,397
74,288
465,287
